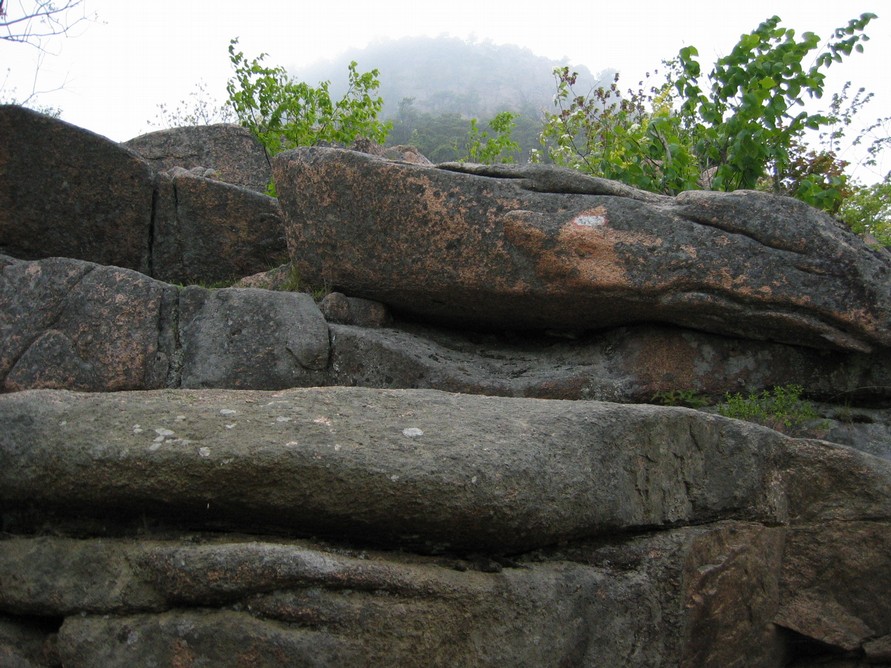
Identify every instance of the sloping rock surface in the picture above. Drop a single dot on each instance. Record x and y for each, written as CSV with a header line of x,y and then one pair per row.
x,y
68,192
530,492
231,152
536,248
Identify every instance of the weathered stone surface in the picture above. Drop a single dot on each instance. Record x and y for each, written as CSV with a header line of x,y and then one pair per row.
x,y
339,308
419,467
251,338
207,231
77,325
232,153
500,248
836,579
626,364
65,191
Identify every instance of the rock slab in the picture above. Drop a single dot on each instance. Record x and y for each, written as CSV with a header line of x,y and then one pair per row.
x,y
535,247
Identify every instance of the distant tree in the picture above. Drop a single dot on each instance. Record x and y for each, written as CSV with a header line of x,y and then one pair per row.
x,y
498,147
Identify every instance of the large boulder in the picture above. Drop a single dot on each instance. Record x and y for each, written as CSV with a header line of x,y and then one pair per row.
x,y
77,325
432,469
232,153
538,247
563,533
207,231
65,191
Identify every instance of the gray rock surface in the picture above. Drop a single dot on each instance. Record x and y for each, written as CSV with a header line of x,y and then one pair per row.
x,y
504,249
431,468
230,152
65,191
207,231
246,338
734,529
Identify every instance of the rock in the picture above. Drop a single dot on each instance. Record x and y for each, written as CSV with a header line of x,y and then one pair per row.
x,y
510,474
639,364
251,338
82,326
280,278
649,536
498,248
299,603
232,153
77,325
207,231
65,191
339,308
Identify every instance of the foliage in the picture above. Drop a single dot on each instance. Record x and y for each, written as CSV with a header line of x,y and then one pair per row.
x,y
743,122
442,137
783,409
740,128
200,109
285,113
636,138
868,211
688,398
481,147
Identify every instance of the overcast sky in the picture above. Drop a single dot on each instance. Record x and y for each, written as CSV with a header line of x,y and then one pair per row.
x,y
114,72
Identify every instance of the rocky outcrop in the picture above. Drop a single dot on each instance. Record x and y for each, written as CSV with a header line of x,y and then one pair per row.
x,y
68,192
724,518
187,475
230,153
529,248
207,231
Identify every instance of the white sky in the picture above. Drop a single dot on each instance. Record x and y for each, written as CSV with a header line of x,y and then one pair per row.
x,y
115,72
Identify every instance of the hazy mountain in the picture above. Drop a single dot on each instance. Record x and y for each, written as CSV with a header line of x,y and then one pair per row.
x,y
444,81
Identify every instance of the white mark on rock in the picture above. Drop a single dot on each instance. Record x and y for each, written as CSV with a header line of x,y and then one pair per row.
x,y
292,444
162,434
204,452
323,420
228,460
282,418
473,480
227,411
180,418
394,477
590,221
412,432
231,426
137,429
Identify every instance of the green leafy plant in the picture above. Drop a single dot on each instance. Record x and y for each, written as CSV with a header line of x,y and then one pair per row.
x,y
744,120
781,409
635,137
500,147
868,212
285,113
688,398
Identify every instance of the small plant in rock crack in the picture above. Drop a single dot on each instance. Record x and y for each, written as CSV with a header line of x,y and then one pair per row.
x,y
781,409
688,398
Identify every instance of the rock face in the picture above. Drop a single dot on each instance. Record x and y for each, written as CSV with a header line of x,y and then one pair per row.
x,y
732,528
239,476
68,192
208,231
230,152
519,248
